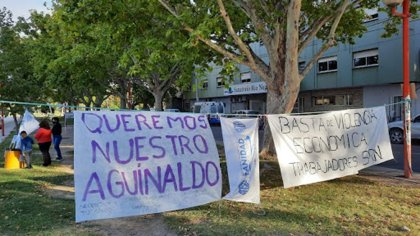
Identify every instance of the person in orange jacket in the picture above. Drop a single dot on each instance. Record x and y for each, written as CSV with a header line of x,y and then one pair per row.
x,y
43,137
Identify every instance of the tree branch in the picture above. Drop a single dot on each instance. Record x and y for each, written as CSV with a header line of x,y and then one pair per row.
x,y
292,44
315,58
260,26
331,39
172,77
311,32
262,69
233,56
242,46
340,12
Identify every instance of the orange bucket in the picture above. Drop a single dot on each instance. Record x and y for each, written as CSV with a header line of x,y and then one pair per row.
x,y
11,159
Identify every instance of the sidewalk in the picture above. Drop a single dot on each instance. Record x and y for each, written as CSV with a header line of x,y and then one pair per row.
x,y
393,174
67,147
9,126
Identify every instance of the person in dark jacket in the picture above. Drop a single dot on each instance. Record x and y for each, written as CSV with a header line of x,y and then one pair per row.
x,y
56,132
43,136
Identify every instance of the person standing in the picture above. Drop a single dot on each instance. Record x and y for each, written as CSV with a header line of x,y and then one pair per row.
x,y
26,147
43,137
56,132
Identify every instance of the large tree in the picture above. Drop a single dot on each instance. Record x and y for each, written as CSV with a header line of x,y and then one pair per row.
x,y
17,82
70,59
284,27
138,38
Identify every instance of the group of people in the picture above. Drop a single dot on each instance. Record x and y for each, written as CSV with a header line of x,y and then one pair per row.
x,y
45,135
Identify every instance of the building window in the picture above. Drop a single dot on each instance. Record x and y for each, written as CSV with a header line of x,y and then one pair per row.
x,y
395,110
220,82
344,100
328,64
324,100
205,84
301,65
371,14
246,77
299,105
365,58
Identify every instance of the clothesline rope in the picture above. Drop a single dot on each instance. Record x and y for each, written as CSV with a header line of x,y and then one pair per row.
x,y
218,114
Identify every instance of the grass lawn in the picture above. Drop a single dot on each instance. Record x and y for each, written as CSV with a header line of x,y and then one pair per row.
x,y
25,208
347,206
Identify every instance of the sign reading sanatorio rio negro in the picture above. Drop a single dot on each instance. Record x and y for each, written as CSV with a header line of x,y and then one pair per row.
x,y
246,88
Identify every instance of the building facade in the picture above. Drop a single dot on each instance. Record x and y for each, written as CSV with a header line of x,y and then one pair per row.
x,y
365,74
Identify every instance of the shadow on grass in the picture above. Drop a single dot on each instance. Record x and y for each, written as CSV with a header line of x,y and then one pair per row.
x,y
29,211
352,180
53,179
247,222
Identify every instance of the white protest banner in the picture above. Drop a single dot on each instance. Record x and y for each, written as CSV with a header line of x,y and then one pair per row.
x,y
135,163
240,138
29,123
314,148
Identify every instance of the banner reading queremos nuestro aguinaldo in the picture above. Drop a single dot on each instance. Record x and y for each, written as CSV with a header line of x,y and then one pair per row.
x,y
314,148
134,163
240,138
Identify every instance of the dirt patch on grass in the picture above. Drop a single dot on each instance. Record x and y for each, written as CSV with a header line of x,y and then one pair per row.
x,y
60,192
139,225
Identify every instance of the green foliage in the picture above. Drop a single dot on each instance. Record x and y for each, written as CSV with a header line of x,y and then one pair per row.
x,y
90,49
260,21
393,25
17,81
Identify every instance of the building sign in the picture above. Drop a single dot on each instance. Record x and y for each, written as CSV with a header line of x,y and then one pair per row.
x,y
247,88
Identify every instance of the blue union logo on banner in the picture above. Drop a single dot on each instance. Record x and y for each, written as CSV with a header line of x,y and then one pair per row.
x,y
244,187
239,126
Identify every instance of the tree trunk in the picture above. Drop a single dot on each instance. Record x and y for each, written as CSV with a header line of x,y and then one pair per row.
x,y
98,102
16,122
87,105
169,100
158,100
278,103
272,107
123,102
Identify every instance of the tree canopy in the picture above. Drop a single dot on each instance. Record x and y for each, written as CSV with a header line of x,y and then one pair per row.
x,y
233,28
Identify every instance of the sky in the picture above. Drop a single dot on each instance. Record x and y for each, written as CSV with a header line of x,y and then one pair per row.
x,y
23,7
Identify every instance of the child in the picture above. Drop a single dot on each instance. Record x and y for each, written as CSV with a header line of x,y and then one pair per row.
x,y
26,147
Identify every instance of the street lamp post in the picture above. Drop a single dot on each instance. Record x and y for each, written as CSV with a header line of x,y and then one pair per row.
x,y
405,16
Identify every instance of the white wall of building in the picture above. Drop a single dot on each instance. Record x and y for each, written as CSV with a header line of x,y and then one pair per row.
x,y
383,94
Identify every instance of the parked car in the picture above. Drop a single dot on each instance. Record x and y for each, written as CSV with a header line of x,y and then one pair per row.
x,y
396,130
212,109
